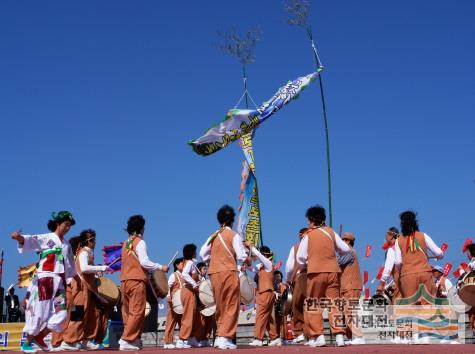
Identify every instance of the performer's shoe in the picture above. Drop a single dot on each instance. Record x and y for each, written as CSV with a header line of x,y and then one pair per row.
x,y
226,343
318,342
182,344
71,347
124,345
299,339
28,348
40,342
340,341
204,343
193,342
256,343
357,341
399,340
90,345
169,346
217,341
275,342
138,343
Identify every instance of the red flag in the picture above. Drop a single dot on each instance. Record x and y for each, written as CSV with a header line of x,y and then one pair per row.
x,y
447,269
366,293
278,265
467,242
380,273
368,251
462,268
386,246
444,247
365,277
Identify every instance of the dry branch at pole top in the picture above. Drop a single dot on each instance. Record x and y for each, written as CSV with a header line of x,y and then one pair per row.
x,y
299,11
242,47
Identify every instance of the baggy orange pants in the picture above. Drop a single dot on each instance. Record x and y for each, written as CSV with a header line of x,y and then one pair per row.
x,y
353,325
227,297
134,296
57,337
322,286
80,303
264,319
188,299
298,300
410,284
172,320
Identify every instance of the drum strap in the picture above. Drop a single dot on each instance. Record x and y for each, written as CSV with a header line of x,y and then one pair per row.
x,y
226,247
179,279
327,234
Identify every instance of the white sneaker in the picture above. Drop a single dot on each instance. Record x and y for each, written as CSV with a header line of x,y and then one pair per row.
x,y
70,346
182,344
227,343
299,339
217,341
203,343
169,346
256,343
357,341
319,342
275,342
90,345
124,345
399,340
340,341
193,342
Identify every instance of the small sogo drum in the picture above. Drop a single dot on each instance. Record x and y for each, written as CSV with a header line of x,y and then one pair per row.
x,y
148,308
247,288
466,288
208,311
108,291
205,294
454,300
285,302
176,302
159,283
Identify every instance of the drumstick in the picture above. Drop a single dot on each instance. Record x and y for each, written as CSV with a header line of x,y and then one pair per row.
x,y
173,259
114,261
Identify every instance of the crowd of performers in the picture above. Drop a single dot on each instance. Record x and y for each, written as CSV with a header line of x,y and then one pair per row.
x,y
63,296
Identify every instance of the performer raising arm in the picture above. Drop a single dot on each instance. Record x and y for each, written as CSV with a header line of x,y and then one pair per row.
x,y
134,278
390,270
46,306
225,251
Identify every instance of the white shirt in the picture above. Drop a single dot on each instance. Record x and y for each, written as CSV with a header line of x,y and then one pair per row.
x,y
266,262
188,270
431,246
448,285
388,265
142,255
241,255
84,265
472,264
302,253
290,264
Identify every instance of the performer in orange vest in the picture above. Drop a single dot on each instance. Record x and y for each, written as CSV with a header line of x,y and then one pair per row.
x,y
294,277
350,289
204,324
390,272
134,278
412,255
317,251
88,320
265,298
175,282
225,251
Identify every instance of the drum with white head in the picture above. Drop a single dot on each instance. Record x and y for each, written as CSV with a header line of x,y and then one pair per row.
x,y
247,287
176,302
466,288
205,294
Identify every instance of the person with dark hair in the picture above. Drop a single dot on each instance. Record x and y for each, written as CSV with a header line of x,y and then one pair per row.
x,y
188,298
134,278
175,282
88,321
317,251
350,289
390,272
46,306
225,251
296,277
204,322
13,305
411,250
280,321
265,298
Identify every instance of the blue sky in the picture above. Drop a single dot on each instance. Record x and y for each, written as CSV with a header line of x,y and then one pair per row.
x,y
98,100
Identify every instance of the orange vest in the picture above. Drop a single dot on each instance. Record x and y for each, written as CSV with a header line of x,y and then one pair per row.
x,y
177,284
266,281
351,275
321,251
414,262
221,260
131,268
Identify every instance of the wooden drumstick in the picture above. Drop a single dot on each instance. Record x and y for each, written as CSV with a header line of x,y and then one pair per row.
x,y
173,259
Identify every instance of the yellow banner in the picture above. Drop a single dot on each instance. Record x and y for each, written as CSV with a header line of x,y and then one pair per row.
x,y
11,336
